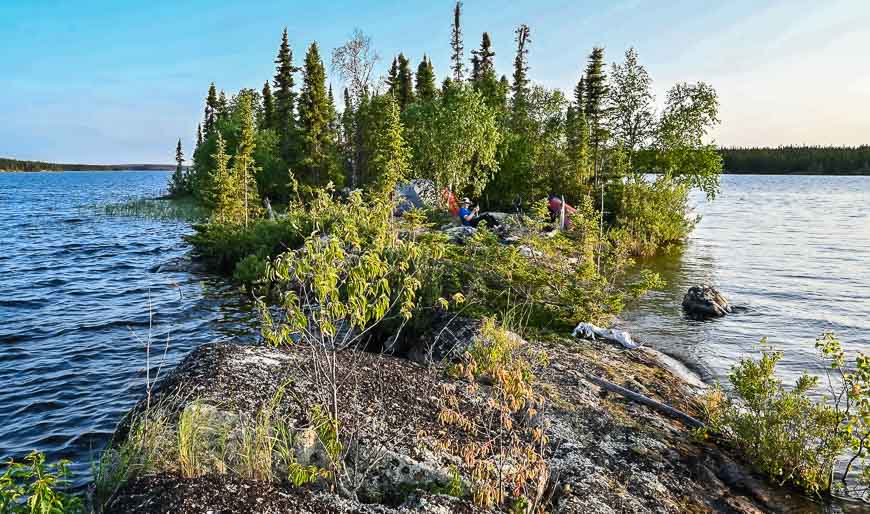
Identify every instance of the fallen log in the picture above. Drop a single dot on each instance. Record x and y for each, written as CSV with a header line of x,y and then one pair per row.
x,y
645,400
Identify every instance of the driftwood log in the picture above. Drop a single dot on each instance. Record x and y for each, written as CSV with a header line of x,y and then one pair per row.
x,y
645,400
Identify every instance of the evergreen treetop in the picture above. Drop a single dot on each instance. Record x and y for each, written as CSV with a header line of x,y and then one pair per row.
x,y
425,84
457,58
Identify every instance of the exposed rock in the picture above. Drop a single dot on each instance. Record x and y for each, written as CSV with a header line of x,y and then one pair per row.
x,y
459,234
529,252
605,454
448,339
703,302
415,194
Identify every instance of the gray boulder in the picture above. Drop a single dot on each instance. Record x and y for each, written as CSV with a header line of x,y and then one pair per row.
x,y
415,194
705,301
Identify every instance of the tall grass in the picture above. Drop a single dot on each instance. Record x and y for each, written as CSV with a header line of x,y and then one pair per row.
x,y
182,209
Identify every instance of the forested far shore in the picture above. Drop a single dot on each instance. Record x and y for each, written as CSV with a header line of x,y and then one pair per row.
x,y
806,160
18,165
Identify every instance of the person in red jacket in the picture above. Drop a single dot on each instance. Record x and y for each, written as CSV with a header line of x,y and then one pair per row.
x,y
554,204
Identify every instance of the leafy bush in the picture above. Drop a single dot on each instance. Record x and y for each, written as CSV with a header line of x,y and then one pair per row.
x,y
785,431
35,487
223,246
654,214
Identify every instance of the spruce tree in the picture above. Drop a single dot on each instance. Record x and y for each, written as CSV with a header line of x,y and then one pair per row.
x,y
198,137
223,106
521,68
392,79
425,84
457,58
211,106
595,91
388,155
405,87
224,196
177,184
244,166
314,118
285,98
484,78
268,107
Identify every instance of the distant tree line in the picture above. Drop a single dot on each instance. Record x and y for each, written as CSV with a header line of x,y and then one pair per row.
x,y
798,159
18,165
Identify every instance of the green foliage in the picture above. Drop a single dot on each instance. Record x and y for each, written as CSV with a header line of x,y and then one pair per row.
x,y
785,431
222,246
555,281
680,149
178,183
250,270
425,80
318,162
454,140
34,487
285,99
655,214
387,153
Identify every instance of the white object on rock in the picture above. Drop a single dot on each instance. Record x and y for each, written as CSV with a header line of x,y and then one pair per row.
x,y
590,331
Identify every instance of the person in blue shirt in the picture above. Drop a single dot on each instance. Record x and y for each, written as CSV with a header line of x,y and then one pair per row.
x,y
470,217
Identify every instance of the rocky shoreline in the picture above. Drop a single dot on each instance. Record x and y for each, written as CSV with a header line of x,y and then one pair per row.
x,y
604,453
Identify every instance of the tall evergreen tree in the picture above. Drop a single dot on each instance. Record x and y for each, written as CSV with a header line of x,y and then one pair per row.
x,y
211,107
244,166
388,155
285,98
521,68
347,136
457,58
595,91
484,78
425,84
268,107
198,137
226,207
177,183
405,87
484,56
314,118
223,106
392,79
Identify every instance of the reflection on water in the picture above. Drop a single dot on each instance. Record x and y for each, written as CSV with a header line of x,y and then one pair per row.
x,y
795,250
75,286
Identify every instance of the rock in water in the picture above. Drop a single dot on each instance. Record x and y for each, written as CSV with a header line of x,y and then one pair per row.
x,y
705,301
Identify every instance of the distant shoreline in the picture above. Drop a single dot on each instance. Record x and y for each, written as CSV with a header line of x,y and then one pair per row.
x,y
848,173
12,165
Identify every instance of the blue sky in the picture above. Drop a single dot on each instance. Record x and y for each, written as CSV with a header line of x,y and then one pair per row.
x,y
102,81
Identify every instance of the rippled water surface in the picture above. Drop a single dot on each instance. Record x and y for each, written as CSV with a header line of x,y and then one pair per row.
x,y
75,286
795,250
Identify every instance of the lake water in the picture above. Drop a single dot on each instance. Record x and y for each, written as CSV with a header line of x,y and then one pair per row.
x,y
75,288
794,250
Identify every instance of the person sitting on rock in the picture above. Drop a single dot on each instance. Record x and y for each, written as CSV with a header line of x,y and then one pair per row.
x,y
470,217
554,205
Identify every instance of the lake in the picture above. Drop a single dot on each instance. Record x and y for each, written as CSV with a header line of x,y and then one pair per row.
x,y
75,297
76,291
793,250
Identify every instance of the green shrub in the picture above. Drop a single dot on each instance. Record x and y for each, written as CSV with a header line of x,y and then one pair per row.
x,y
250,270
35,487
224,246
655,214
797,434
